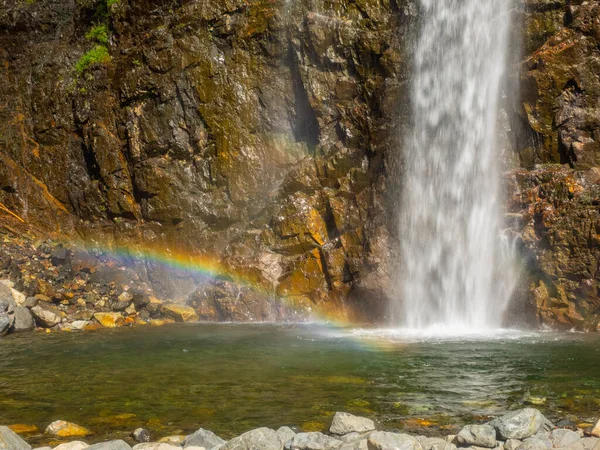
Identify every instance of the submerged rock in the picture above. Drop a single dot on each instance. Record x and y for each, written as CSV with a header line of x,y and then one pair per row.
x,y
9,440
203,438
344,423
477,435
63,428
519,424
141,435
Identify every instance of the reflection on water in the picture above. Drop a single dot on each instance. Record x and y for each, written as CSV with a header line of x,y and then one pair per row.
x,y
230,378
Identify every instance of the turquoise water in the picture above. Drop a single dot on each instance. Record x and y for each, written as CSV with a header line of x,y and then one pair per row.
x,y
231,378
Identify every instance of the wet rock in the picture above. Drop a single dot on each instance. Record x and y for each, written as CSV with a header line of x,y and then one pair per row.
x,y
75,445
519,424
313,441
203,438
141,435
46,315
23,320
563,438
180,313
344,423
110,445
109,320
477,435
59,256
63,428
9,440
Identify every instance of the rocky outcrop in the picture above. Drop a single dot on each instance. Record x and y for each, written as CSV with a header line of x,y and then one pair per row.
x,y
263,135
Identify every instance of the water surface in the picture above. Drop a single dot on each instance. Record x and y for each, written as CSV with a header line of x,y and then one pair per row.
x,y
230,378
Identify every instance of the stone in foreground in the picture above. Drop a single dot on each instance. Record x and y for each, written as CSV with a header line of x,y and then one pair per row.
x,y
564,438
156,446
344,423
535,443
383,440
9,440
260,438
203,438
46,316
313,441
477,435
596,430
519,424
110,445
141,435
434,443
66,429
75,445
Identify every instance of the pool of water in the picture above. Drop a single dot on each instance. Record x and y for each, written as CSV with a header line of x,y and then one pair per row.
x,y
230,378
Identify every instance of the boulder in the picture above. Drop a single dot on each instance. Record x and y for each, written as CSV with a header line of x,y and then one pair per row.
x,y
477,435
260,438
596,430
63,428
511,444
156,446
519,424
383,440
23,320
344,423
535,443
203,438
563,438
45,315
285,434
75,445
180,313
9,440
111,445
141,435
436,444
109,319
313,441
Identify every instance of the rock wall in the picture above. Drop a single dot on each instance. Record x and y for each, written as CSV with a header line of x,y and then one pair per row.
x,y
266,134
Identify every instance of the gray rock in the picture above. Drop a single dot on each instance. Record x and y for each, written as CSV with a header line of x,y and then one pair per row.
x,y
519,424
382,440
75,445
360,442
477,435
563,438
45,315
260,438
589,443
344,423
7,309
156,446
285,434
6,322
9,440
512,444
110,445
141,435
535,443
203,438
436,444
313,441
23,320
43,448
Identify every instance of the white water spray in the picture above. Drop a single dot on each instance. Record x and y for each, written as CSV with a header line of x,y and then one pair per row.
x,y
455,270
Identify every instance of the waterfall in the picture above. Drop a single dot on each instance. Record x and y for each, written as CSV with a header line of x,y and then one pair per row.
x,y
455,268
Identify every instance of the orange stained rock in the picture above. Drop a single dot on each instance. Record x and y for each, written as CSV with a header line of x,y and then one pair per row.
x,y
21,428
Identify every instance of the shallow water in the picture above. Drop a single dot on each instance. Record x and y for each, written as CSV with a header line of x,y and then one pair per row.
x,y
231,378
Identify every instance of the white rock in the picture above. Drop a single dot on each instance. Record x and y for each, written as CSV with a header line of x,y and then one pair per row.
x,y
563,438
344,423
596,429
156,446
383,440
75,445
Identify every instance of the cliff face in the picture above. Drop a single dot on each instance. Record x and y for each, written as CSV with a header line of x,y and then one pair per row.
x,y
264,134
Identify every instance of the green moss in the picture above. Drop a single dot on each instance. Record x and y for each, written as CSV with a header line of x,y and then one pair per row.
x,y
98,33
109,3
97,55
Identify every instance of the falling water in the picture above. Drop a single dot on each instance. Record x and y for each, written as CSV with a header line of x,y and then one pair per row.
x,y
455,268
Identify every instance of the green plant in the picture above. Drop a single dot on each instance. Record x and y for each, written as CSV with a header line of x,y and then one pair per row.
x,y
97,55
98,33
109,3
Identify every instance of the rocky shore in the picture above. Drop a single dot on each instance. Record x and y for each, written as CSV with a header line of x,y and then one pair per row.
x,y
524,429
